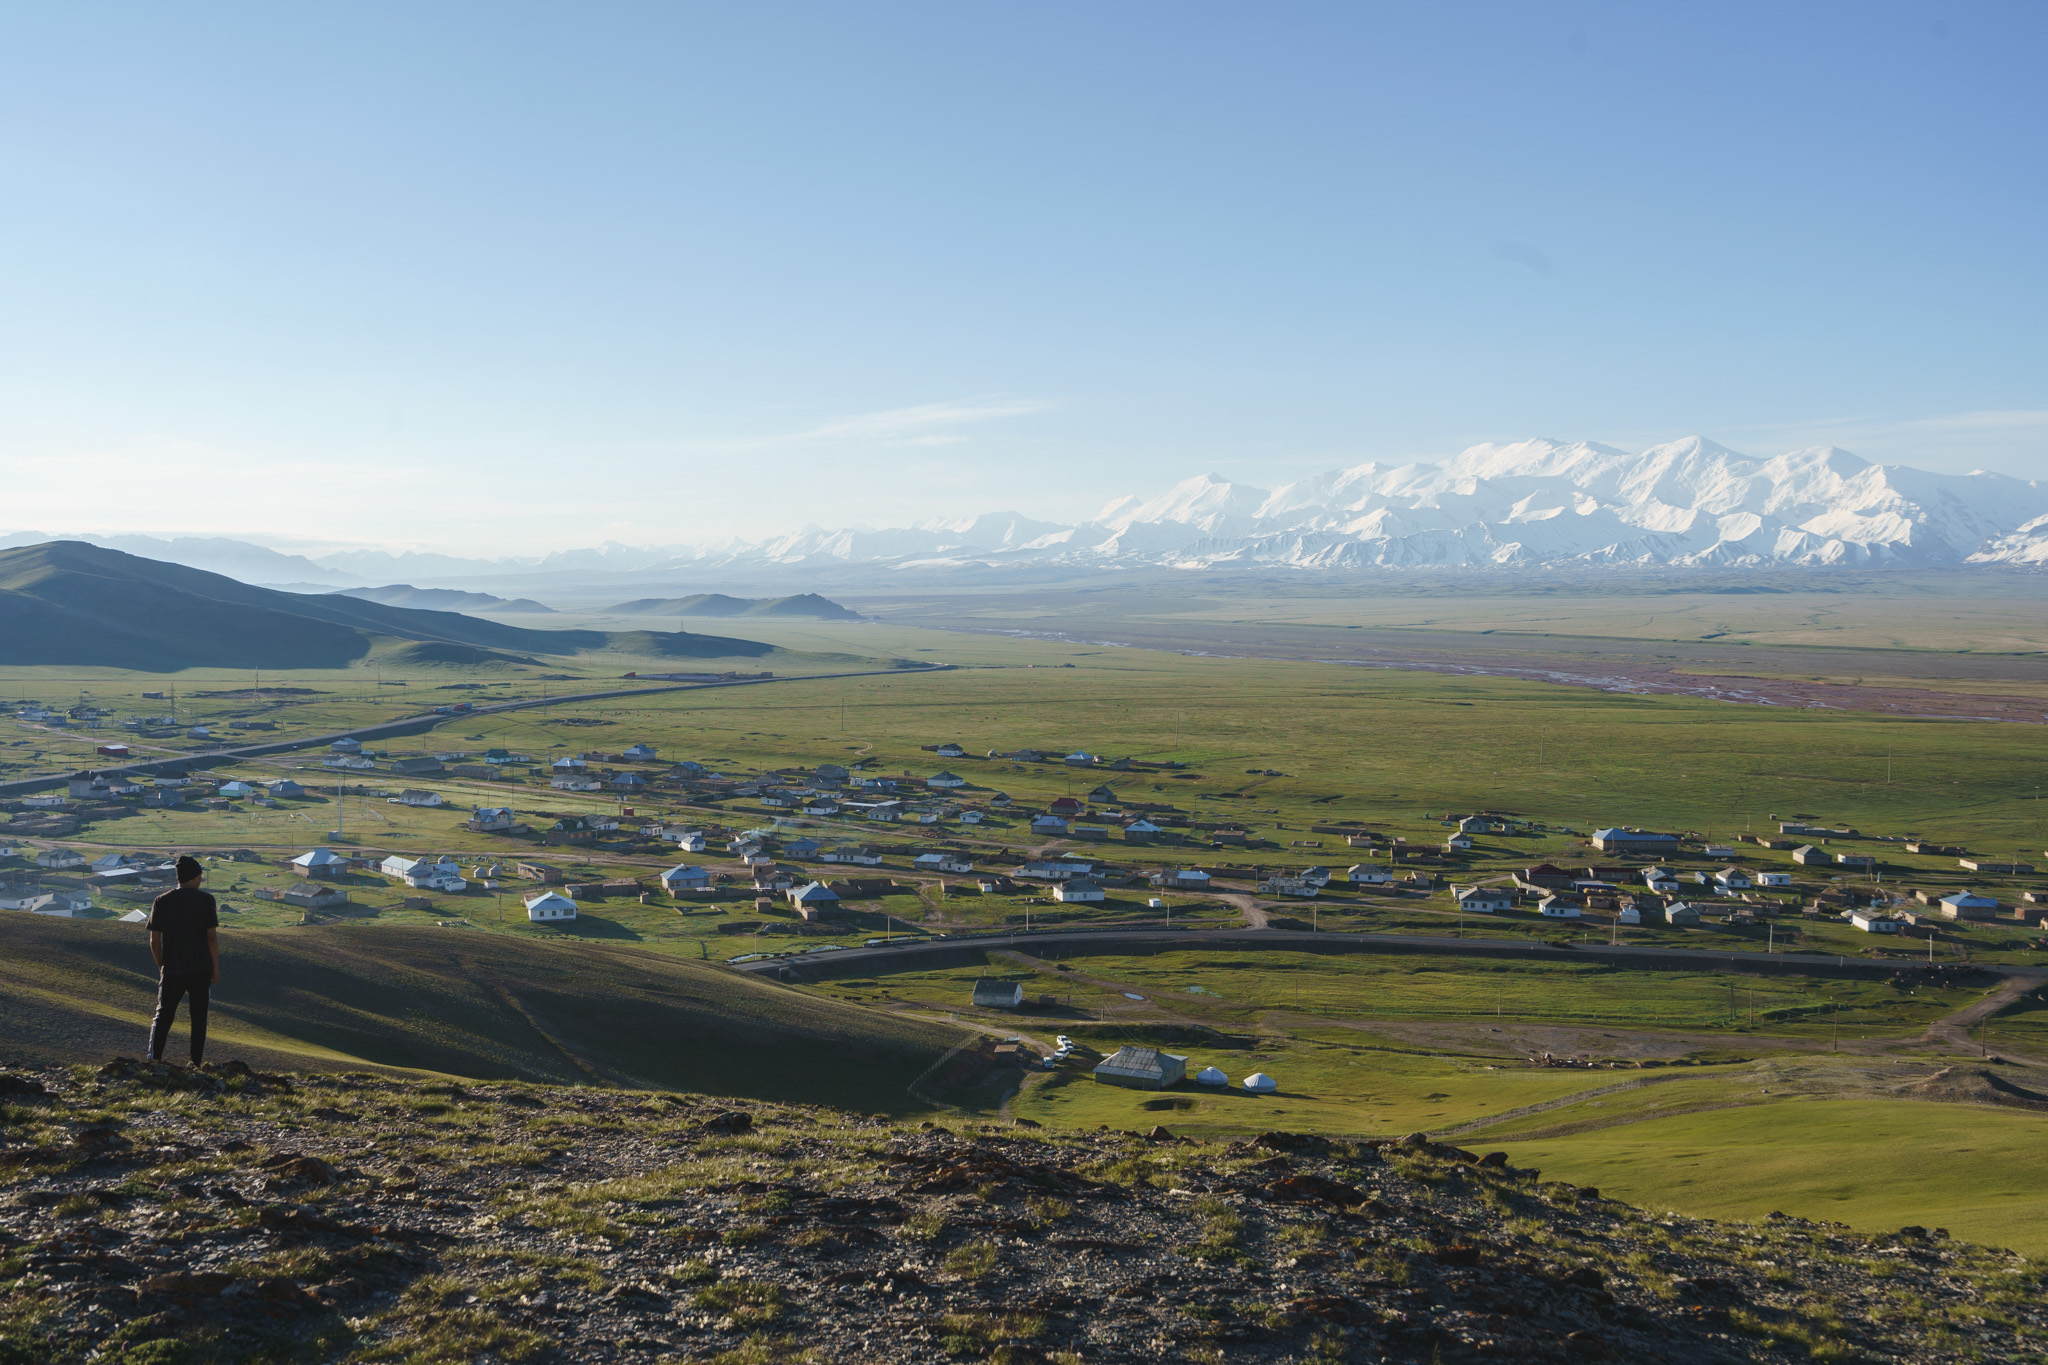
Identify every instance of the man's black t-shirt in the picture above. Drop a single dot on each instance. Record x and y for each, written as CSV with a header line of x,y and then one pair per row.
x,y
183,916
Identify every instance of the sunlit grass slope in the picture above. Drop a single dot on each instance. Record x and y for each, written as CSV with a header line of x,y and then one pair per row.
x,y
467,1004
1874,1164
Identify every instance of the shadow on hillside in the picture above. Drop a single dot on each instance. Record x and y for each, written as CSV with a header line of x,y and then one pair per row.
x,y
590,926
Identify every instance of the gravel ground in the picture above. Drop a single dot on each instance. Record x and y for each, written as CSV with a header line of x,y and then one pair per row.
x,y
153,1215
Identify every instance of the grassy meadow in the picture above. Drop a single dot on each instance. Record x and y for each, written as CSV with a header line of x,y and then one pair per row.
x,y
1272,987
455,986
1858,619
1871,1163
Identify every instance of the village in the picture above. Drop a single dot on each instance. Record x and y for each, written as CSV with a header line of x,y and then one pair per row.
x,y
835,854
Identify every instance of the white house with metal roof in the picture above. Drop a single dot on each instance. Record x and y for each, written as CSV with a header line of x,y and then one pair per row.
x,y
549,907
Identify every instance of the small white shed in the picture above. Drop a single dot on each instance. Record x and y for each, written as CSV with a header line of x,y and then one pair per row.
x,y
1002,995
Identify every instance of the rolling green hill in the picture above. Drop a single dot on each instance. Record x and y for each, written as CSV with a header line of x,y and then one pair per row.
x,y
463,1003
440,599
66,602
808,605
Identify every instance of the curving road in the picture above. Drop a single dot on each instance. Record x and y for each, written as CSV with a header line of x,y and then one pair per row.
x,y
420,724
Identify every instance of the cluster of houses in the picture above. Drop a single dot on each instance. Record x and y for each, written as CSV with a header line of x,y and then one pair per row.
x,y
38,899
136,876
587,773
1955,907
1561,893
168,788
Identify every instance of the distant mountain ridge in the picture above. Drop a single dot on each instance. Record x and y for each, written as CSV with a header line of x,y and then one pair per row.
x,y
441,599
1684,504
807,605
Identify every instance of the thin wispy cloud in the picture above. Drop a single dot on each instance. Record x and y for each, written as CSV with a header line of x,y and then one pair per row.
x,y
923,424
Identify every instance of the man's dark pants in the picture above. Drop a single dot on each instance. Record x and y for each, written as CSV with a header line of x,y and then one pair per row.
x,y
170,989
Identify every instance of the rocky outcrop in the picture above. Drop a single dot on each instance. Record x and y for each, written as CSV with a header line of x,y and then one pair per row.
x,y
159,1214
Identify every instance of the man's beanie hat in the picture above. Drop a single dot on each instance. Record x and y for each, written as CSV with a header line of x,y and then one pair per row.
x,y
188,868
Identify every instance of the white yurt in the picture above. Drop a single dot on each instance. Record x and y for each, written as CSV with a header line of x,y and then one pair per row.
x,y
1259,1083
1209,1075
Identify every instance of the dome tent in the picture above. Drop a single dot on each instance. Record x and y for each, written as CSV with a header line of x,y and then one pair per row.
x,y
1209,1075
1259,1083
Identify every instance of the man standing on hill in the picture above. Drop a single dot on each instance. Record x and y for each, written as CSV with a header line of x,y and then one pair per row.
x,y
184,938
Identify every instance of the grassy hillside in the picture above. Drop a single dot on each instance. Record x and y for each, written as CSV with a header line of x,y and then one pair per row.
x,y
67,602
468,1004
655,644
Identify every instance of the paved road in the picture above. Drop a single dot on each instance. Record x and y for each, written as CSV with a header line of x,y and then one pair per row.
x,y
930,951
420,724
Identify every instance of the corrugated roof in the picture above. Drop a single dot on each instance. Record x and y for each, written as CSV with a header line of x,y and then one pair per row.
x,y
1147,1062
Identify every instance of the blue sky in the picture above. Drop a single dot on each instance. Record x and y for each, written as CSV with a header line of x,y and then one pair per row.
x,y
505,276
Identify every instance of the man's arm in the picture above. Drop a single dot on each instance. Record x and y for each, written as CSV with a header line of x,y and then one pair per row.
x,y
156,947
213,947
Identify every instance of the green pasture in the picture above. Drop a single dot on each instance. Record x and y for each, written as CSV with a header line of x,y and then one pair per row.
x,y
1923,612
1291,989
387,685
1394,750
1384,747
1872,1163
1328,1084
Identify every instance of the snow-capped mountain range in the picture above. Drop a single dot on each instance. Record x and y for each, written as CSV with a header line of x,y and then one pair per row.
x,y
1686,503
1530,503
